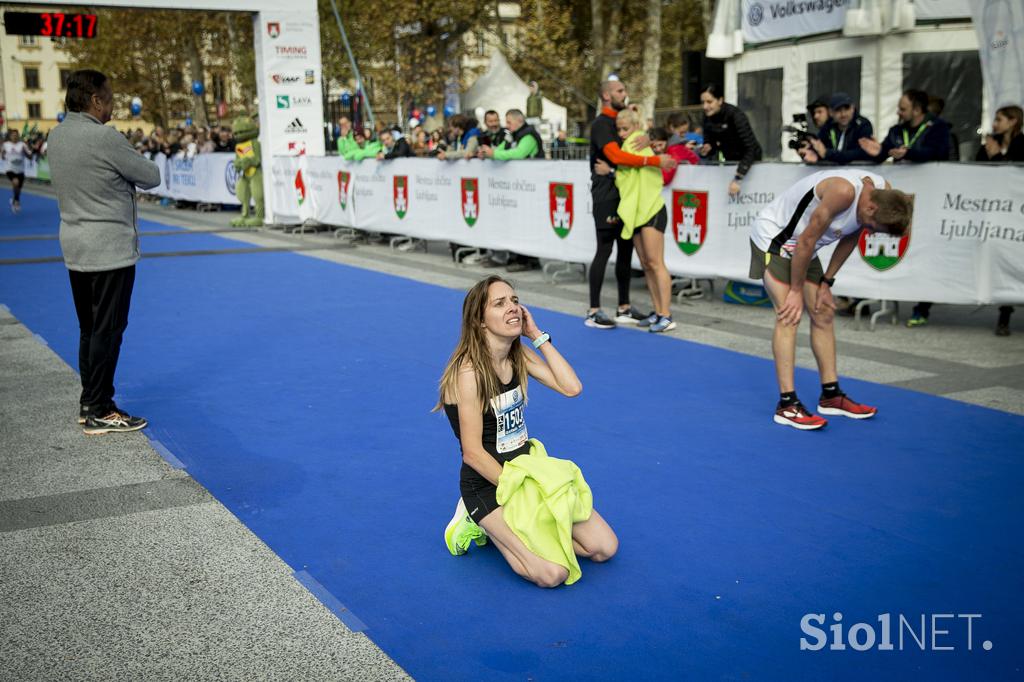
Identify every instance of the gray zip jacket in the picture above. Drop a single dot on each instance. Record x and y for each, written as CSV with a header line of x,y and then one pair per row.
x,y
94,170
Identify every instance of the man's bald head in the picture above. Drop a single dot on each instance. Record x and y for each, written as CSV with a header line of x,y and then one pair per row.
x,y
613,94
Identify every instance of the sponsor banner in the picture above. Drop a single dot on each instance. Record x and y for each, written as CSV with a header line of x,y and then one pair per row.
x,y
767,20
966,244
207,178
290,50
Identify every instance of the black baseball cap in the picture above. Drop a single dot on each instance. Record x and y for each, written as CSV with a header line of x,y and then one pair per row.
x,y
840,99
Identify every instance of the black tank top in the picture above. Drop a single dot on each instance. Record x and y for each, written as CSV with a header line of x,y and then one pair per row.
x,y
504,429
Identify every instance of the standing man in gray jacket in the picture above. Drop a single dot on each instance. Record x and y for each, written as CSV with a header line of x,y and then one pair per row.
x,y
94,170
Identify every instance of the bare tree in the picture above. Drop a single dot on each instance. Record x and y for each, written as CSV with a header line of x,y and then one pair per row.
x,y
652,57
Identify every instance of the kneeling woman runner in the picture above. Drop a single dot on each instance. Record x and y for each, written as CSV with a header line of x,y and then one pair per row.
x,y
483,393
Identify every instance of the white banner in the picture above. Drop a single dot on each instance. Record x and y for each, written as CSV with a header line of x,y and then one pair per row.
x,y
764,21
1000,28
207,178
966,246
289,45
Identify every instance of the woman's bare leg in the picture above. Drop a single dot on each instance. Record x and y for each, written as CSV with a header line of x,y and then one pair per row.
x,y
524,562
594,538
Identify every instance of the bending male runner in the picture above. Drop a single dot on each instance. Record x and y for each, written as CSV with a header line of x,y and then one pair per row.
x,y
820,209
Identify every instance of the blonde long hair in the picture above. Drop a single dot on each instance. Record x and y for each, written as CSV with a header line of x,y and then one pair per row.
x,y
472,350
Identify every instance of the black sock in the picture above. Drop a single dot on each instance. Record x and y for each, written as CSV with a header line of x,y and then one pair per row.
x,y
787,399
830,390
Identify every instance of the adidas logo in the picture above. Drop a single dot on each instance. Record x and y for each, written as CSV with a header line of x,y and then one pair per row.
x,y
295,127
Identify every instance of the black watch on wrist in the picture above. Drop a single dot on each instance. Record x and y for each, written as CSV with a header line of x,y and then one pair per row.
x,y
830,281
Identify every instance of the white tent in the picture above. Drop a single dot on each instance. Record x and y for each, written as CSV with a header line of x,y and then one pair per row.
x,y
501,89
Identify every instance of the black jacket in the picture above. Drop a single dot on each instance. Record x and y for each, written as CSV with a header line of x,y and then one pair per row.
x,y
843,149
927,142
1015,152
494,139
524,131
400,150
729,133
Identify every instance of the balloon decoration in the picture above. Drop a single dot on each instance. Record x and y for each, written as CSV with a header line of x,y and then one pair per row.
x,y
136,106
417,114
198,88
431,110
413,122
60,116
346,97
449,111
188,121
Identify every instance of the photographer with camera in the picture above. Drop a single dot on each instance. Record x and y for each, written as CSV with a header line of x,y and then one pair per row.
x,y
838,140
818,111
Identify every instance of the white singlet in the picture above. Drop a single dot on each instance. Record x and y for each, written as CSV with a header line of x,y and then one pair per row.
x,y
773,231
14,154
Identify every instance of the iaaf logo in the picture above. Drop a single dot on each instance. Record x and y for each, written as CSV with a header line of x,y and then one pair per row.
x,y
230,177
560,207
273,29
470,200
401,195
285,78
883,251
300,187
344,177
689,220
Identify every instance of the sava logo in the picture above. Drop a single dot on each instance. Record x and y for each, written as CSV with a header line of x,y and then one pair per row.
x,y
285,78
230,177
295,127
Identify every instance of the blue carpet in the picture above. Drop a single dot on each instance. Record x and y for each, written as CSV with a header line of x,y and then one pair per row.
x,y
299,392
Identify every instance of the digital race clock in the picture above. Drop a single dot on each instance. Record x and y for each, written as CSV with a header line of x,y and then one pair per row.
x,y
50,24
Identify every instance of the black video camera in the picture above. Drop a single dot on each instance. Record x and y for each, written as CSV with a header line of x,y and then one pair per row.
x,y
798,133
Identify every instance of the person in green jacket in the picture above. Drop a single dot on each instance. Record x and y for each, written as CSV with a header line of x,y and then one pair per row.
x,y
362,148
483,393
346,139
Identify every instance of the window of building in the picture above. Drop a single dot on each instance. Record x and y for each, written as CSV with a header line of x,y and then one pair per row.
x,y
760,98
28,41
65,74
35,110
824,79
31,78
956,78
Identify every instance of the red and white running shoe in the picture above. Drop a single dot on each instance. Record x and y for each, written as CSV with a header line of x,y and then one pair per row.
x,y
842,406
797,416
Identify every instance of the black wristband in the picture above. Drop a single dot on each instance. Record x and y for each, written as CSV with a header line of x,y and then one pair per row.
x,y
830,281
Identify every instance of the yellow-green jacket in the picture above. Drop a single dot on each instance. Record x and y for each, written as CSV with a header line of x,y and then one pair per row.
x,y
639,191
541,498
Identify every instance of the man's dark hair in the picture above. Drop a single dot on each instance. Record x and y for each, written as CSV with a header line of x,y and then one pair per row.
x,y
658,134
82,85
489,112
917,98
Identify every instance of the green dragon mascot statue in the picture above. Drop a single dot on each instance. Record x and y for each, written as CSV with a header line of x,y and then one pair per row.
x,y
248,162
